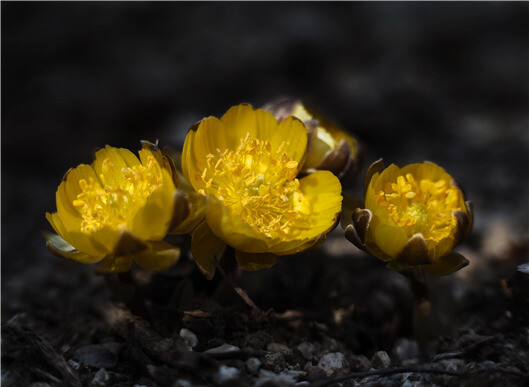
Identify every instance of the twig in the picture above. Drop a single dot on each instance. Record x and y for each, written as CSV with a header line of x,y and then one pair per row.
x,y
384,372
462,351
258,313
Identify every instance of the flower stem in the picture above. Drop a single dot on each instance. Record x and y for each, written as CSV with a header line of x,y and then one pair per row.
x,y
256,312
127,291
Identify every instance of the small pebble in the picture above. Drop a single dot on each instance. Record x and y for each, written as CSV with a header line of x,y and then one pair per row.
x,y
189,338
333,363
223,349
225,374
380,360
314,373
281,348
405,349
307,350
96,355
100,378
252,365
269,378
274,361
359,363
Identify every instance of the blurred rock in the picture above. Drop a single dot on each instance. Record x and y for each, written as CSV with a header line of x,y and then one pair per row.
x,y
252,365
307,350
100,378
189,338
274,361
405,349
281,348
96,355
223,349
334,363
380,360
359,363
225,374
314,373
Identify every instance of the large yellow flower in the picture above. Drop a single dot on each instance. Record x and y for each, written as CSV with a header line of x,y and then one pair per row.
x,y
413,216
117,210
247,163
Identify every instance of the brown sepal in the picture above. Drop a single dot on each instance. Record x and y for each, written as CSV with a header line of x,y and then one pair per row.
x,y
462,223
180,209
129,244
352,236
415,252
377,166
336,160
282,107
361,219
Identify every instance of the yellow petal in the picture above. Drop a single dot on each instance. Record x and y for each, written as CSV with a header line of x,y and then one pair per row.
x,y
209,136
291,136
390,238
321,203
389,174
152,220
233,231
159,256
108,165
206,249
426,170
238,121
253,261
441,248
78,240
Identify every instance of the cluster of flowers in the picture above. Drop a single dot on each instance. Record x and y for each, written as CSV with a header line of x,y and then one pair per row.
x,y
266,182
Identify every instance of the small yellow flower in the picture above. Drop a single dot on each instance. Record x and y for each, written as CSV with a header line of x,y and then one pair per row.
x,y
117,210
329,147
413,216
247,163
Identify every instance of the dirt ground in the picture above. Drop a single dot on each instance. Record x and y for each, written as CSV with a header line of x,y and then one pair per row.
x,y
415,81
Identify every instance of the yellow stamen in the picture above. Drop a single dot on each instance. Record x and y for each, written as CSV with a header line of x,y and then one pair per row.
x,y
423,206
102,205
255,183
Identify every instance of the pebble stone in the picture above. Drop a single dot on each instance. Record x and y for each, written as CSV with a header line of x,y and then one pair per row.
x,y
252,365
223,349
189,338
380,360
281,348
307,350
332,363
225,374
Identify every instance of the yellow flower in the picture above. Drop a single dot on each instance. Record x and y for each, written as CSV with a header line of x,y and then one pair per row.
x,y
413,216
329,147
117,210
247,163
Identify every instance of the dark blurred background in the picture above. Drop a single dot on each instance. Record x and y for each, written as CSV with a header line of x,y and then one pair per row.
x,y
446,82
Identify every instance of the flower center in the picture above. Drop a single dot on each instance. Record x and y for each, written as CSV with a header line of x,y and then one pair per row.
x,y
117,195
425,206
256,184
